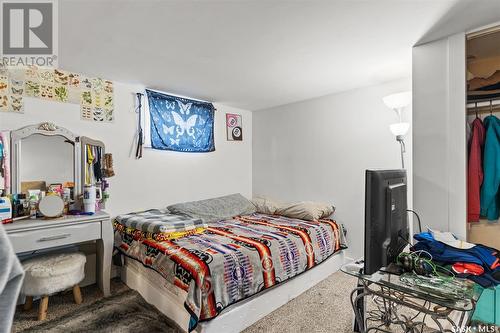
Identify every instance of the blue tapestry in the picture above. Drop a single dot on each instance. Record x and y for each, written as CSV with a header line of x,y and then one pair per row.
x,y
180,124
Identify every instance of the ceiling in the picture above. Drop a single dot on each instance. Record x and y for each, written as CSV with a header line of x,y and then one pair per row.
x,y
248,54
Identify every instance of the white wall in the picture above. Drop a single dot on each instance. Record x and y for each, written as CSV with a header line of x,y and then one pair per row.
x,y
160,178
439,143
319,150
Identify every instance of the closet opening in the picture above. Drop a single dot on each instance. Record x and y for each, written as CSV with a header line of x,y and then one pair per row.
x,y
483,122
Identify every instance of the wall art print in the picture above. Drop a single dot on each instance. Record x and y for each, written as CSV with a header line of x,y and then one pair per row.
x,y
180,124
94,95
234,127
11,91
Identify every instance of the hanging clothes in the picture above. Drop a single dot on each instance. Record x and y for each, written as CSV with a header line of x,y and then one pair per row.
x,y
108,165
93,165
491,167
475,171
97,164
89,169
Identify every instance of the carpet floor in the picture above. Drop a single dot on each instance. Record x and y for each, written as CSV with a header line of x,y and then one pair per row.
x,y
123,312
323,308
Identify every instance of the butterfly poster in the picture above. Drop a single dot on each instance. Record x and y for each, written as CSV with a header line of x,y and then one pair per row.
x,y
11,91
95,95
180,124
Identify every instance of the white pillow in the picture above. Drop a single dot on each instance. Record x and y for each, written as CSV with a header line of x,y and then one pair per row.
x,y
266,205
306,210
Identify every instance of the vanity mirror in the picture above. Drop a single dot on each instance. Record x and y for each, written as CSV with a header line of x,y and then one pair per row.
x,y
47,157
42,155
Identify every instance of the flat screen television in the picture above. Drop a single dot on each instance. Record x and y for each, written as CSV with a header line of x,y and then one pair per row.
x,y
386,220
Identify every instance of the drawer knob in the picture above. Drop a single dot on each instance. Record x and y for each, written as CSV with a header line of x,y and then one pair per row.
x,y
51,238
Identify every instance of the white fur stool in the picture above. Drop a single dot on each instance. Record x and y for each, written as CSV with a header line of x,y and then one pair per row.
x,y
50,274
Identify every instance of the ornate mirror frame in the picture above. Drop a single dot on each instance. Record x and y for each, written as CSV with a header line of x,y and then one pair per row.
x,y
47,129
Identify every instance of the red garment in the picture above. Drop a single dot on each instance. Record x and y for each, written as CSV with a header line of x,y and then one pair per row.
x,y
475,171
467,268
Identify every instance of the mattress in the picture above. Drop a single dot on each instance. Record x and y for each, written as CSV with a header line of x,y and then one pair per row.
x,y
177,294
235,258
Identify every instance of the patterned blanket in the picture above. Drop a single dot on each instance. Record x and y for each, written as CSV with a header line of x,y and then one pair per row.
x,y
235,258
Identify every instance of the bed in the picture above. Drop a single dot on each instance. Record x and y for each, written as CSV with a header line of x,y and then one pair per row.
x,y
233,270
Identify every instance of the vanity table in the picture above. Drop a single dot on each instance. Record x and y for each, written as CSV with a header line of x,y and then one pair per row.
x,y
49,154
29,236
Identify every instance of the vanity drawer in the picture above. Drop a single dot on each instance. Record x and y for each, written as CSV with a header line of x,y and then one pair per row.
x,y
31,240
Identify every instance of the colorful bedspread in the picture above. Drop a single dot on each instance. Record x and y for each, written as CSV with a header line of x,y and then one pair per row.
x,y
233,259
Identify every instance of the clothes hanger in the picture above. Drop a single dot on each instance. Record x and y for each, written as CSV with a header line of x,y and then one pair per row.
x,y
475,108
491,107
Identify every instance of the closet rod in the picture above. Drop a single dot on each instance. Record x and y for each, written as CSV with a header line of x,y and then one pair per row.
x,y
483,100
483,103
483,106
483,110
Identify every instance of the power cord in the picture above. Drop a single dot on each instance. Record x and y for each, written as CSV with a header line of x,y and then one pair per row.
x,y
418,219
407,242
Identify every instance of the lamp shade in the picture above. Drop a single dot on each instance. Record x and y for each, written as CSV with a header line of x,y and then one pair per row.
x,y
398,101
399,128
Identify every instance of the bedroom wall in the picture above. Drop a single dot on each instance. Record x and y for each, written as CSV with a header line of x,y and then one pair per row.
x,y
160,178
319,149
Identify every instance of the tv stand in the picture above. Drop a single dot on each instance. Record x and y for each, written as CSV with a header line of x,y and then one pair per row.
x,y
443,314
392,268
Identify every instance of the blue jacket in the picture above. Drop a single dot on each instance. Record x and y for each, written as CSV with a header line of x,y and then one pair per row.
x,y
491,166
484,256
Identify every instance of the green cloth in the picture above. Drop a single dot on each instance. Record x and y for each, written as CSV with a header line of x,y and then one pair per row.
x,y
491,166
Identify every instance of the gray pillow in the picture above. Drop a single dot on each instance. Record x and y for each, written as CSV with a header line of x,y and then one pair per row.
x,y
216,209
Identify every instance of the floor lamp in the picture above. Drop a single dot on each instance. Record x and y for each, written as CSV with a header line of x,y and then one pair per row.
x,y
399,102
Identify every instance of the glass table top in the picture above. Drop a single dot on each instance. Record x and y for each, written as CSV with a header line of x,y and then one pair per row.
x,y
454,293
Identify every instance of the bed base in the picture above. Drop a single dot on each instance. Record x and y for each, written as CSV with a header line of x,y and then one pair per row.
x,y
238,316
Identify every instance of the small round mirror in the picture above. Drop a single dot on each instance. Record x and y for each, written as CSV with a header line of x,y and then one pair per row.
x,y
51,206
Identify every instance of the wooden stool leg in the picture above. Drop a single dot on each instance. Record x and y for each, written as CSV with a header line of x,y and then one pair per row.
x,y
42,308
28,303
77,294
